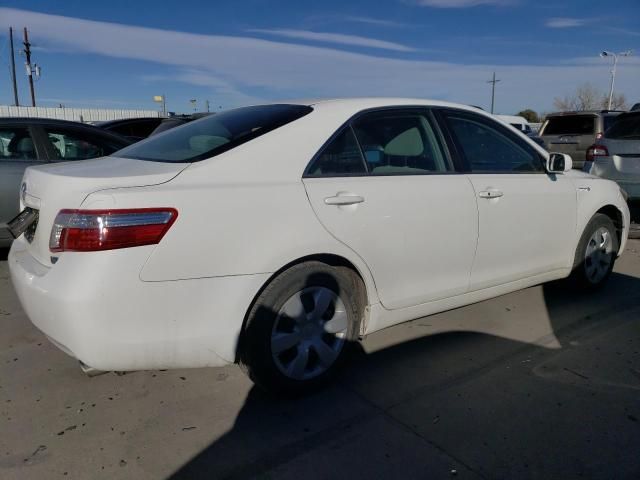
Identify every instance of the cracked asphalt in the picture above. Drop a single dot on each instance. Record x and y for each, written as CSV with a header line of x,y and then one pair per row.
x,y
541,383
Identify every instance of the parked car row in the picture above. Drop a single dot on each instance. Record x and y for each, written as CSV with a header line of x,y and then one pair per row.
x,y
276,235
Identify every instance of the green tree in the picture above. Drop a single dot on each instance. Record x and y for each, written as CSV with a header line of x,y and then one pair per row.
x,y
530,115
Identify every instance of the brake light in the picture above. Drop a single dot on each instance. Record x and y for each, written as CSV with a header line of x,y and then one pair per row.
x,y
93,230
596,151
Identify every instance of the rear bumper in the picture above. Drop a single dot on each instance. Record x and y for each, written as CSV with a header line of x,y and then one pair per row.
x,y
95,307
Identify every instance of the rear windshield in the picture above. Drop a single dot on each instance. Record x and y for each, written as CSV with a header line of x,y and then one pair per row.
x,y
214,134
626,126
570,125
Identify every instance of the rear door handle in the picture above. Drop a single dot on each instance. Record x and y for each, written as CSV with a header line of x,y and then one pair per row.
x,y
491,193
344,200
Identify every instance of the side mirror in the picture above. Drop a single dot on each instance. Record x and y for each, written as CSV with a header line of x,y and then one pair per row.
x,y
559,163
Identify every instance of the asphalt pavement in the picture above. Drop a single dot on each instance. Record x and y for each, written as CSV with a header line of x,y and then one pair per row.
x,y
542,383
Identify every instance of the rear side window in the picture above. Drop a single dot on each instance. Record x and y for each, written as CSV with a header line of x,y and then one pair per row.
x,y
570,125
607,121
68,145
341,157
388,142
401,143
16,144
214,134
625,127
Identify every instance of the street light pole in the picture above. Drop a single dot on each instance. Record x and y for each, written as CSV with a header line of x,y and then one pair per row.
x,y
613,70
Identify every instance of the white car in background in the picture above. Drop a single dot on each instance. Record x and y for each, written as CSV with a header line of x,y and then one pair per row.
x,y
274,235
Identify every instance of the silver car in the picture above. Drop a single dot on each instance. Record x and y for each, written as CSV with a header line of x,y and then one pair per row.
x,y
616,156
35,141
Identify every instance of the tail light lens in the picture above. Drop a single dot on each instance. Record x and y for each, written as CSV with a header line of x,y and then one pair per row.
x,y
93,230
596,151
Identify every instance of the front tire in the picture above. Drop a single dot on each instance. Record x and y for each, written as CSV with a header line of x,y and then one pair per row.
x,y
300,328
596,253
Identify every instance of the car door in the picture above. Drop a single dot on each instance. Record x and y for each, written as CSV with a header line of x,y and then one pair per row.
x,y
18,150
385,186
527,218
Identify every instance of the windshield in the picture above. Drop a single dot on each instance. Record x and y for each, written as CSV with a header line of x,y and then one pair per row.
x,y
214,134
627,126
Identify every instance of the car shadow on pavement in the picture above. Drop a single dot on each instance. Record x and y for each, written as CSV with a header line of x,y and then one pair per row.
x,y
540,383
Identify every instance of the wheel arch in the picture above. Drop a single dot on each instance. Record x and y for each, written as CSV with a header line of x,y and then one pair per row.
x,y
331,259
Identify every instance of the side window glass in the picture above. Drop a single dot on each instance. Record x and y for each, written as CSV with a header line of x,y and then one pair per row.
x,y
73,146
16,144
399,143
487,149
341,157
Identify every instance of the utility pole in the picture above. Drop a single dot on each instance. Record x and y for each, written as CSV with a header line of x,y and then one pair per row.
x,y
493,89
13,70
27,53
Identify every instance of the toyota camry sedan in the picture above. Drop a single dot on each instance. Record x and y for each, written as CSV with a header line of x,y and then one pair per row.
x,y
277,235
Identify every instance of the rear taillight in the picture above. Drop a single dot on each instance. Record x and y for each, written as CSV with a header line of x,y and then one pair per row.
x,y
92,230
595,151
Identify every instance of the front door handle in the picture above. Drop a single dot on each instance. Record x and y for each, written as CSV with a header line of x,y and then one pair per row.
x,y
490,193
344,200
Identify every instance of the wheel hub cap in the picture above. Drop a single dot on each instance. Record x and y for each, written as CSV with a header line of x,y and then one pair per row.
x,y
309,333
598,255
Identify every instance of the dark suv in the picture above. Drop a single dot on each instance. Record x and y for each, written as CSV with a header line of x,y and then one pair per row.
x,y
574,132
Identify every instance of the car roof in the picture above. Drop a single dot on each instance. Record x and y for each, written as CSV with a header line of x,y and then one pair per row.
x,y
109,123
43,121
586,112
357,104
26,121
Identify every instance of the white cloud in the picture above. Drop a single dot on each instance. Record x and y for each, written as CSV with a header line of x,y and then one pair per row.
x,y
237,67
373,21
462,3
565,22
334,38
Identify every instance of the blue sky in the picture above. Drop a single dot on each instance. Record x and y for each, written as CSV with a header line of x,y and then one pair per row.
x,y
119,54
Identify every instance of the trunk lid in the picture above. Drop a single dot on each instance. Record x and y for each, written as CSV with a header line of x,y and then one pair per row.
x,y
51,188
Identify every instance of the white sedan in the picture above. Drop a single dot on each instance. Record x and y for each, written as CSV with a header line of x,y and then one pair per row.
x,y
275,235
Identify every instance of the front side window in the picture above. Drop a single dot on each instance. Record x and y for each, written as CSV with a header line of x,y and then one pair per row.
x,y
16,144
76,146
399,143
489,148
214,134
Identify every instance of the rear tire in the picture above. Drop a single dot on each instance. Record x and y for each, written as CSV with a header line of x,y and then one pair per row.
x,y
300,328
596,253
